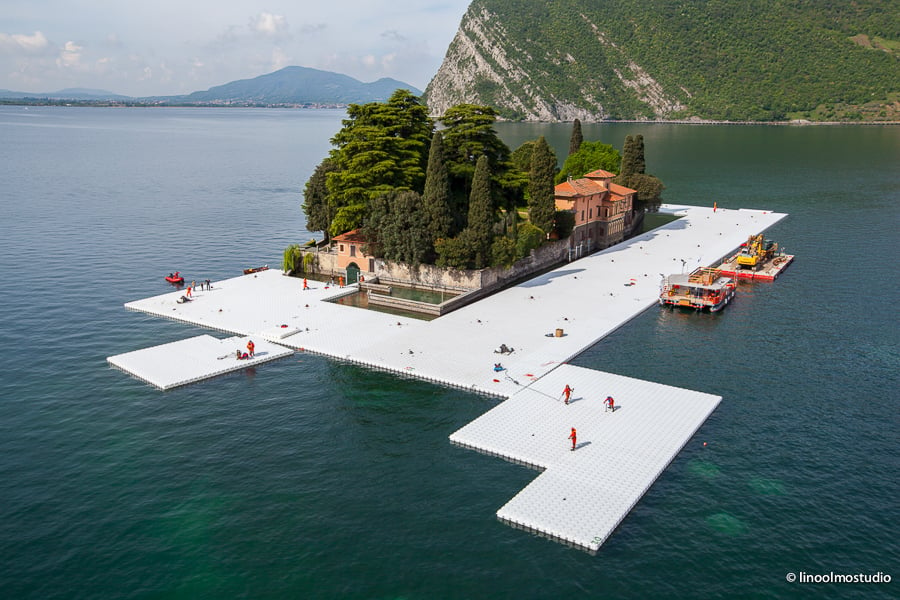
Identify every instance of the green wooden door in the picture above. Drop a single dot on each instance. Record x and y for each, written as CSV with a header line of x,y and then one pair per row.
x,y
352,273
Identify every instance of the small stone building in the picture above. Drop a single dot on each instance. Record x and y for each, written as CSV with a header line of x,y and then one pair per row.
x,y
351,256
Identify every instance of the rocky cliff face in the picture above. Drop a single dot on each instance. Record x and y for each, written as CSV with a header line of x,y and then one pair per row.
x,y
555,60
485,64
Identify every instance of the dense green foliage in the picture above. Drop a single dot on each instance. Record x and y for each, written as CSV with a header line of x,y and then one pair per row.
x,y
503,252
632,173
382,147
397,228
469,134
590,157
565,223
521,156
529,238
319,212
481,214
436,198
722,59
541,202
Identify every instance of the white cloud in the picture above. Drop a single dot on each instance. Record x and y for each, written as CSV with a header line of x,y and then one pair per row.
x,y
269,25
69,56
18,42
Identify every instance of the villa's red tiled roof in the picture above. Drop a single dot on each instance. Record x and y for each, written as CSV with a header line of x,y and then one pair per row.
x,y
621,189
354,236
600,174
579,187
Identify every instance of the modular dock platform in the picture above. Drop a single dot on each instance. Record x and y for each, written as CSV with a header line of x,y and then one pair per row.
x,y
769,271
581,496
195,359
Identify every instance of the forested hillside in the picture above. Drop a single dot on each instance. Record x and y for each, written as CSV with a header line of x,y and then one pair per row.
x,y
665,59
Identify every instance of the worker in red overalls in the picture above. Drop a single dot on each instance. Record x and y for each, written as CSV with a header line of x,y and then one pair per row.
x,y
573,437
567,393
610,404
305,285
250,347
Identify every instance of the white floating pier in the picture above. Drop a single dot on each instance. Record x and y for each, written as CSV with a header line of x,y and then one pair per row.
x,y
194,359
581,496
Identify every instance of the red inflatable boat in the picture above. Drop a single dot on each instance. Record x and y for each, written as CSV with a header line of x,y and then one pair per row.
x,y
175,278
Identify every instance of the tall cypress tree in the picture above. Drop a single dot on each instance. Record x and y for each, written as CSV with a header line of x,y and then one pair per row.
x,y
640,165
576,139
628,167
481,214
541,201
436,198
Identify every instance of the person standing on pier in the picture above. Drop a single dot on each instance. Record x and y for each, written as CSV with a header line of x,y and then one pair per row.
x,y
574,437
305,285
610,404
251,347
567,393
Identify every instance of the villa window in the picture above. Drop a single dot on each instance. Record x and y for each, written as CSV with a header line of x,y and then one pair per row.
x,y
582,215
590,213
340,247
352,250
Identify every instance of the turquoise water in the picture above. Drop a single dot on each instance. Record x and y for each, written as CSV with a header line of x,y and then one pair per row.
x,y
313,478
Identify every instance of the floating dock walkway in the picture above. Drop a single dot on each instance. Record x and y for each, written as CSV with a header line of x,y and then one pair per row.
x,y
581,496
194,359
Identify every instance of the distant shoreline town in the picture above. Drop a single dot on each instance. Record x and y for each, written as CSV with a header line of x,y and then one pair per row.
x,y
136,103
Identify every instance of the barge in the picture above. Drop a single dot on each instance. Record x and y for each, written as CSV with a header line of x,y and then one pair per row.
x,y
702,289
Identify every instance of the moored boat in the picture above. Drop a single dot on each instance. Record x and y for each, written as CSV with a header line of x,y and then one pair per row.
x,y
702,289
256,269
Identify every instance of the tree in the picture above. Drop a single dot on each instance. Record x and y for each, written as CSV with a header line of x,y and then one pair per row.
x,y
521,156
541,197
481,214
632,156
576,138
529,238
590,157
469,134
436,198
640,164
381,147
318,211
503,252
457,252
631,174
397,228
629,162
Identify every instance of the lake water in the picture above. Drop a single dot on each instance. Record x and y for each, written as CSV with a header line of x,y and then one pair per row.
x,y
313,478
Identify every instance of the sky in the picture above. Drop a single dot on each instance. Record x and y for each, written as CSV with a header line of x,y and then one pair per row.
x,y
168,47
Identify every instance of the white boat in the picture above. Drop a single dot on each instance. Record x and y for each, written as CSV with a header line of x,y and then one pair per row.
x,y
703,289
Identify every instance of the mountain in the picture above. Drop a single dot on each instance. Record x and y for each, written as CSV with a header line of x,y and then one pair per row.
x,y
66,94
300,85
665,59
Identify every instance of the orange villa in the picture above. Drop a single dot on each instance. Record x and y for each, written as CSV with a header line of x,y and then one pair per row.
x,y
602,209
